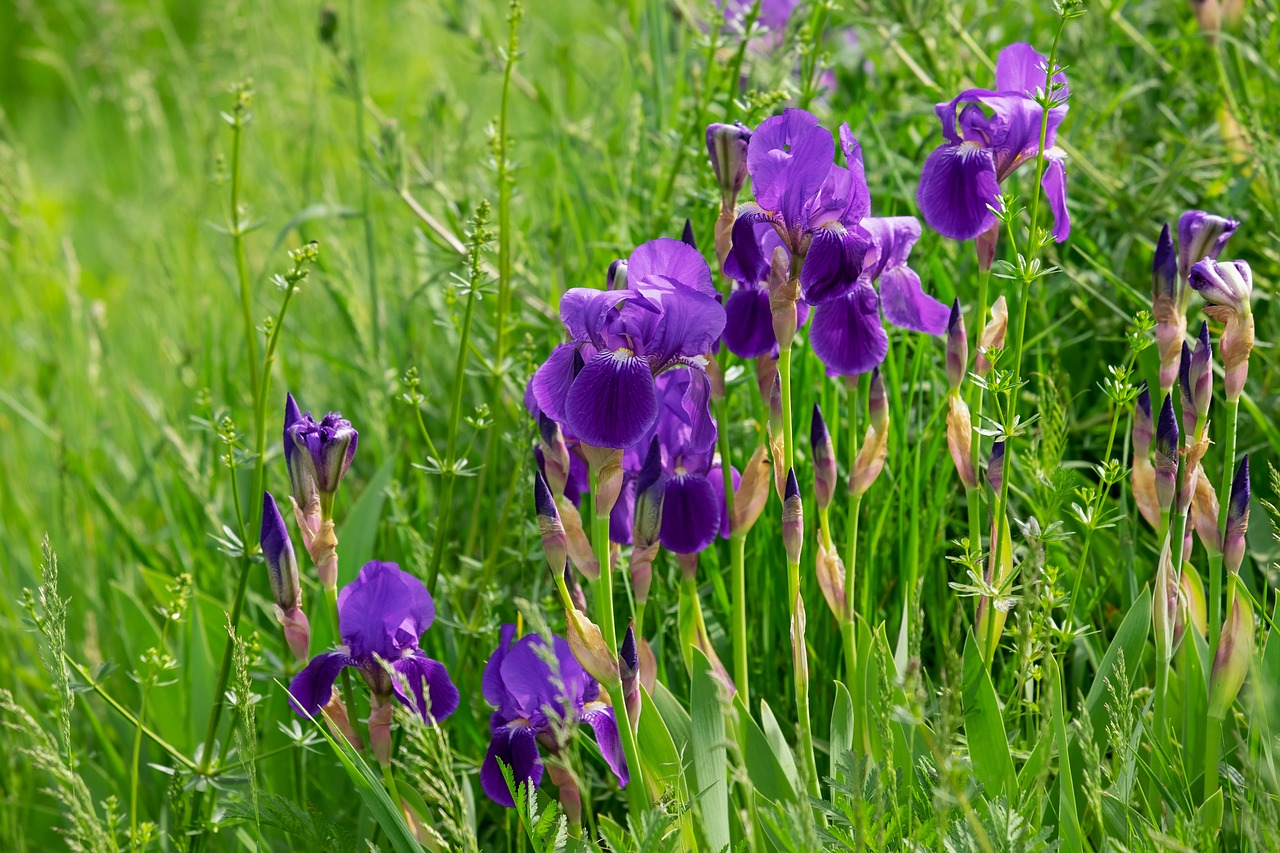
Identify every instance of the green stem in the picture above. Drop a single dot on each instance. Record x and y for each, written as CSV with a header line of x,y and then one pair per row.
x,y
389,779
1162,690
1224,507
1212,752
784,379
504,189
738,551
237,242
802,683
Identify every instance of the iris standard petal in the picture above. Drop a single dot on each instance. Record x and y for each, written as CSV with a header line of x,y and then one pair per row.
x,y
535,687
604,724
552,379
611,403
847,334
754,239
584,311
312,688
432,694
690,514
891,239
956,187
1054,183
907,306
832,264
691,323
788,158
383,611
1021,68
517,747
671,259
491,686
748,328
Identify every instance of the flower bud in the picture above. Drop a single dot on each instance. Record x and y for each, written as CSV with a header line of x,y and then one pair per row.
x,y
831,580
554,541
960,441
752,493
1192,607
686,236
1164,268
1204,513
1188,476
957,347
986,245
1231,662
792,518
647,524
727,148
1168,308
1237,519
1166,455
1164,605
799,650
335,714
1227,287
318,456
1143,426
606,462
277,551
617,275
629,671
824,459
992,335
562,776
777,437
875,445
556,463
878,401
784,293
995,467
1200,373
587,644
1201,235
579,547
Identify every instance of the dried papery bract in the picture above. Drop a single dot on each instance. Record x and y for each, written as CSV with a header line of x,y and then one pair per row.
x,y
960,440
753,492
1192,606
1164,604
831,580
875,445
993,335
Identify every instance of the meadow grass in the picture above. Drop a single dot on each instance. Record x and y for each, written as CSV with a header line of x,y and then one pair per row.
x,y
460,166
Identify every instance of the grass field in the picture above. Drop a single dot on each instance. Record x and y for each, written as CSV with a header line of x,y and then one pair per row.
x,y
164,170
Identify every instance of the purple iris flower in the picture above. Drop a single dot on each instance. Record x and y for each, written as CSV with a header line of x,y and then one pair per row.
x,y
601,383
318,454
692,479
540,691
988,135
847,333
748,329
812,205
381,614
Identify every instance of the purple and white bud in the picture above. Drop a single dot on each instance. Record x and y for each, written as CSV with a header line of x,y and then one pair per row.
x,y
1201,235
824,459
1228,289
1166,455
1198,384
957,347
1187,404
727,149
1237,519
792,518
1168,308
318,455
992,336
995,467
1164,268
1231,661
555,455
617,276
555,544
282,569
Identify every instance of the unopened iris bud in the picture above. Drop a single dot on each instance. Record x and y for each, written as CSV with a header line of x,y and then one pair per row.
x,y
1166,455
629,672
992,336
1201,235
587,644
1164,604
555,543
784,293
824,459
335,714
875,445
985,246
1237,519
1228,290
555,454
752,493
686,236
1192,608
1188,404
957,347
647,522
792,518
1144,475
1200,376
617,278
727,148
1164,268
995,467
318,455
1168,308
1143,425
960,441
282,569
381,715
1231,662
831,580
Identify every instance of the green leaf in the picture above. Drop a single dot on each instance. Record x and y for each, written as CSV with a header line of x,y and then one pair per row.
x,y
1131,638
1029,775
710,757
360,529
841,735
1211,813
778,743
673,714
1069,834
657,749
764,766
984,726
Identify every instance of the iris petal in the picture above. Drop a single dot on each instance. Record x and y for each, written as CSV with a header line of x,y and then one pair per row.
x,y
690,514
312,688
612,402
552,379
907,306
432,694
604,723
832,265
517,748
1055,190
748,329
956,187
847,334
